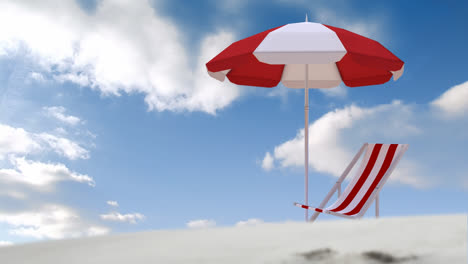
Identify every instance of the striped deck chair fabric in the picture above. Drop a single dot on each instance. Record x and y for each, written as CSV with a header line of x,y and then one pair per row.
x,y
376,166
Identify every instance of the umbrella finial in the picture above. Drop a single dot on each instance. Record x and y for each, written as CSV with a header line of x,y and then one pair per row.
x,y
307,20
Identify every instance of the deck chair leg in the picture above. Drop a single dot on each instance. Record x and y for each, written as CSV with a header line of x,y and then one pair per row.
x,y
377,206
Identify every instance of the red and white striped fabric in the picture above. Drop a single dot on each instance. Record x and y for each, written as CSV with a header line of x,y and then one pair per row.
x,y
332,54
376,162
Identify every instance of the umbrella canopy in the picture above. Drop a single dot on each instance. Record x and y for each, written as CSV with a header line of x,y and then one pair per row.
x,y
279,54
306,55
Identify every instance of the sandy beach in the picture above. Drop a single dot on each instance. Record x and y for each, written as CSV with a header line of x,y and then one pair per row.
x,y
415,239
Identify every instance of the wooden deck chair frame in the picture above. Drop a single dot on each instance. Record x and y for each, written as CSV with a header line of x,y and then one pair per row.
x,y
374,195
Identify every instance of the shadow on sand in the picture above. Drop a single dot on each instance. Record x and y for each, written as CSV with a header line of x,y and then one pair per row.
x,y
374,256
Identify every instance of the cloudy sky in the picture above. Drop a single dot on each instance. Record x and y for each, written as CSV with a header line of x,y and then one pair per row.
x,y
110,123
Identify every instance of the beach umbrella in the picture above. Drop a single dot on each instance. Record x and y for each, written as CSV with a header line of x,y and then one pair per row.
x,y
302,56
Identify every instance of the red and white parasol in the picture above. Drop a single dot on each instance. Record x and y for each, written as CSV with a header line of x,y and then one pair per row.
x,y
306,55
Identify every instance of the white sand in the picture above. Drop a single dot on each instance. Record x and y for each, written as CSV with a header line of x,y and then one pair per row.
x,y
421,239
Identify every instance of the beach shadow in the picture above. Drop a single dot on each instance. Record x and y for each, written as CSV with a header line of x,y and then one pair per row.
x,y
318,254
382,257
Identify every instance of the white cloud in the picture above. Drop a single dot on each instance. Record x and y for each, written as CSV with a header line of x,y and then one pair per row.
x,y
5,243
61,131
250,222
329,150
41,175
38,77
413,173
50,221
208,94
337,92
113,203
325,152
58,112
13,194
282,91
64,146
16,141
25,175
122,46
201,223
268,162
127,218
454,102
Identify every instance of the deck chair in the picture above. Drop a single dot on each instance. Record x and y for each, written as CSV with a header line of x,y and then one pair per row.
x,y
376,166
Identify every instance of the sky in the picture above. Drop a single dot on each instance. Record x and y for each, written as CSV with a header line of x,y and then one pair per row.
x,y
110,123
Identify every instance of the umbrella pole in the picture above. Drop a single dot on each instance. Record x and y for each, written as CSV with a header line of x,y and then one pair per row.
x,y
306,139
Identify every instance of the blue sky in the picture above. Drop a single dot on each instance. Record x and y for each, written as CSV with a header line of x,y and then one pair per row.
x,y
110,101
